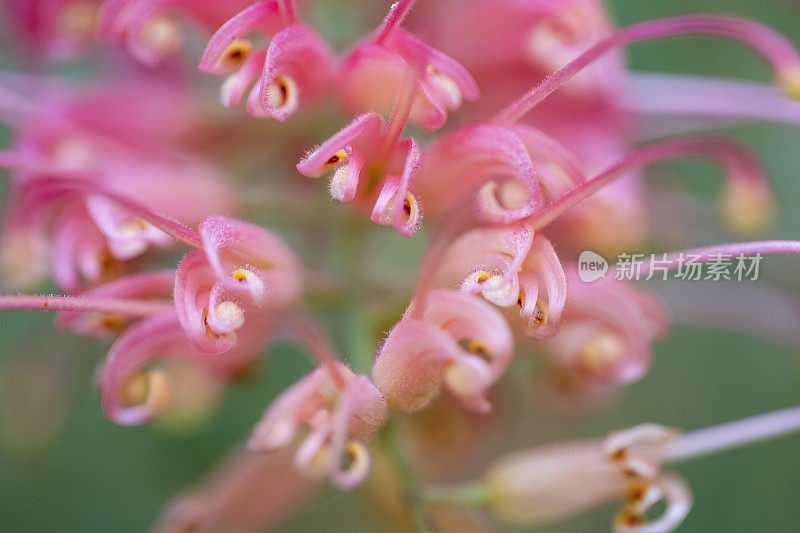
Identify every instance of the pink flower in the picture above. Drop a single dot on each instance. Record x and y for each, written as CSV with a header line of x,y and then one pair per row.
x,y
371,167
343,411
450,339
509,265
59,29
295,68
242,271
65,163
519,42
551,482
148,28
375,69
608,331
483,168
137,381
248,492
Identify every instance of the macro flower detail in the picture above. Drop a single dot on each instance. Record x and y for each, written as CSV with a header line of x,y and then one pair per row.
x,y
296,67
364,158
344,411
451,340
544,484
572,270
376,69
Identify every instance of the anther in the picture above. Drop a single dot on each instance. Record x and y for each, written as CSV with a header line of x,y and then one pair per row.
x,y
235,54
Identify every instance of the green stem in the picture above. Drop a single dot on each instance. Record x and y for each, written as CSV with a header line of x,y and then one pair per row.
x,y
473,495
405,477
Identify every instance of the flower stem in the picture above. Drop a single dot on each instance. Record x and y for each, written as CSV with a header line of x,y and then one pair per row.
x,y
85,304
405,477
773,46
473,495
713,253
734,434
735,159
393,20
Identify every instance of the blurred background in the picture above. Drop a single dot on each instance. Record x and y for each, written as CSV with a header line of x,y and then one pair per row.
x,y
65,467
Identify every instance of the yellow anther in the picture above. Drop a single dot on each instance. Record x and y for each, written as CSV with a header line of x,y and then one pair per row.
x,y
149,388
112,322
334,160
475,347
601,351
482,276
789,82
282,93
410,208
241,275
235,53
539,317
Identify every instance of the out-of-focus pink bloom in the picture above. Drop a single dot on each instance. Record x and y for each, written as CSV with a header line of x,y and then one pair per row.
x,y
295,68
560,480
136,384
149,29
343,411
59,140
372,168
241,269
249,492
509,265
59,29
148,286
608,330
481,167
375,70
507,44
455,340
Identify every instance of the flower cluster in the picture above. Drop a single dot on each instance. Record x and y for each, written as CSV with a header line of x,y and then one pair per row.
x,y
109,177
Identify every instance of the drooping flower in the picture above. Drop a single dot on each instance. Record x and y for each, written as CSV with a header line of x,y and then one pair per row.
x,y
608,330
139,379
149,29
63,159
295,68
375,70
559,480
509,265
248,492
372,168
450,339
58,29
241,270
343,412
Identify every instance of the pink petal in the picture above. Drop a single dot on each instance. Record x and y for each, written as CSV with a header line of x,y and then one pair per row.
x,y
143,343
544,263
138,286
298,53
231,245
364,128
262,16
395,205
195,280
481,163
